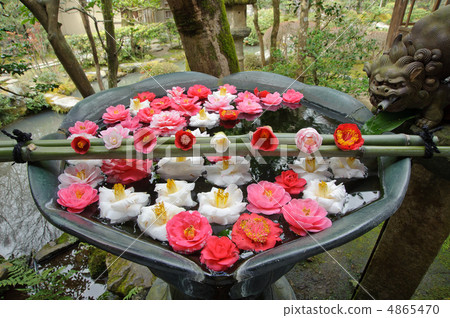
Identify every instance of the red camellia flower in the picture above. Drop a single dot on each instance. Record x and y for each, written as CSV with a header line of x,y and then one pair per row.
x,y
144,140
126,171
145,96
188,231
290,181
348,137
184,140
200,91
255,232
219,253
264,139
261,94
229,114
77,197
80,144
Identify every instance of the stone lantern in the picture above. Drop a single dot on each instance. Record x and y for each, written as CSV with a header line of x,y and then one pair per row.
x,y
237,17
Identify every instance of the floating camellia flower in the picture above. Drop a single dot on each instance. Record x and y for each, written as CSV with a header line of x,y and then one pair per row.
x,y
312,168
86,127
229,114
217,103
272,99
231,89
188,231
77,197
347,167
187,106
348,137
264,139
145,115
131,123
223,92
80,173
200,91
80,144
183,168
167,123
119,205
255,233
260,94
292,96
175,92
163,103
308,140
266,197
219,253
290,181
235,170
145,96
136,105
144,140
126,171
198,133
184,140
153,219
222,206
113,136
329,195
246,95
177,192
204,119
305,216
249,107
115,113
220,142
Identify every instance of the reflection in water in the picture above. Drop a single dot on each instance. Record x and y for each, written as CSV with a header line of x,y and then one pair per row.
x,y
22,227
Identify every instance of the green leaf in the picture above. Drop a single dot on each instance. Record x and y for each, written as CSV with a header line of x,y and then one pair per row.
x,y
386,121
226,232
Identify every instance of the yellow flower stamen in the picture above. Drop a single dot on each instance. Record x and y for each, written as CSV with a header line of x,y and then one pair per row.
x,y
146,139
221,198
79,194
189,232
268,193
119,192
81,144
136,104
310,165
181,159
323,190
161,213
223,91
256,229
351,161
171,186
202,114
82,127
81,174
306,211
346,137
225,164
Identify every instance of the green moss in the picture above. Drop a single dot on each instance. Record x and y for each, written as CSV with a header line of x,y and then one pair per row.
x,y
96,262
226,42
66,238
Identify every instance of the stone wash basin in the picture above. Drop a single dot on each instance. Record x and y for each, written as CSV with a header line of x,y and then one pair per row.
x,y
254,273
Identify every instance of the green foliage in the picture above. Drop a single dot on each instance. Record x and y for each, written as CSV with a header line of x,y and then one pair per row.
x,y
386,121
134,291
36,102
265,20
8,113
158,68
252,62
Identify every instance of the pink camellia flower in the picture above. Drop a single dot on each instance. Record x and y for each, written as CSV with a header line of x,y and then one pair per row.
x,y
144,140
115,113
77,197
198,90
305,216
145,115
145,96
266,197
290,181
292,96
175,92
246,95
217,103
87,127
167,123
113,136
131,123
264,139
187,106
80,173
162,103
308,140
272,99
255,233
219,253
80,144
126,171
229,88
188,231
248,106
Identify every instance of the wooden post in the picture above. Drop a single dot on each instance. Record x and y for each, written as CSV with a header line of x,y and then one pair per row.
x,y
396,21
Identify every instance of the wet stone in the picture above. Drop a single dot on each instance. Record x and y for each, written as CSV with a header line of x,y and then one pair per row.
x,y
61,244
4,270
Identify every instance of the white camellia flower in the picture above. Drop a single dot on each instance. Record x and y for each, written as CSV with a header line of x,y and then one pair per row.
x,y
329,195
204,119
183,168
119,204
153,219
222,206
234,170
222,93
198,133
347,167
176,192
136,105
312,169
220,142
80,173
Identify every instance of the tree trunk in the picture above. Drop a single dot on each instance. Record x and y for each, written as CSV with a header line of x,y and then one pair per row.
x,y
111,47
318,15
302,36
275,28
206,36
47,14
87,28
259,33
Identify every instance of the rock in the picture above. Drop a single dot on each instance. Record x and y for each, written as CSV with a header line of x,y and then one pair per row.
x,y
4,270
160,291
61,103
156,48
61,244
96,262
124,275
